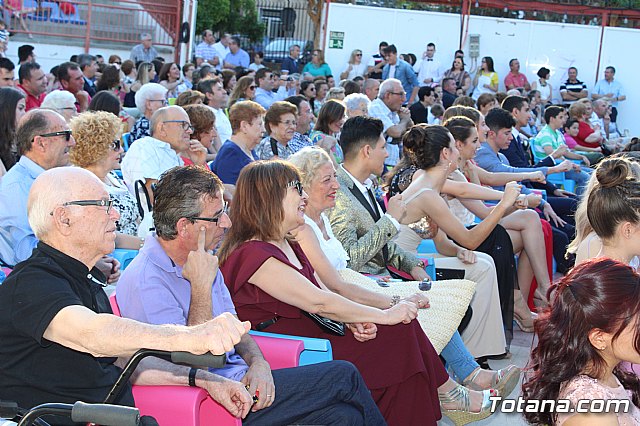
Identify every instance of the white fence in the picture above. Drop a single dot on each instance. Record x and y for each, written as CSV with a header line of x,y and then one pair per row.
x,y
554,45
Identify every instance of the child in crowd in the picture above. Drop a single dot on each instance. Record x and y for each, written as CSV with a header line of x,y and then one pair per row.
x,y
437,111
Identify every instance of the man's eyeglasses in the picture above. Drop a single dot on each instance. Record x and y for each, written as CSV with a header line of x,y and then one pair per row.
x,y
164,101
216,217
185,124
297,185
115,145
65,133
104,202
403,94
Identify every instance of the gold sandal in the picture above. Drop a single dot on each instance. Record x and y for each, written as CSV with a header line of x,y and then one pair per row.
x,y
504,381
464,415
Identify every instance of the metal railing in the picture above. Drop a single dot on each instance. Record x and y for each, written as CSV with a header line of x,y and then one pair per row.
x,y
106,21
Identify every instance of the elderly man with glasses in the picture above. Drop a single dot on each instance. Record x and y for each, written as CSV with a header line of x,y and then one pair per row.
x,y
152,155
149,98
59,340
395,118
175,279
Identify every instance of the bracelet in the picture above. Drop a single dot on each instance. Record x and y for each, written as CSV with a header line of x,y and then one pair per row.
x,y
421,264
395,299
192,376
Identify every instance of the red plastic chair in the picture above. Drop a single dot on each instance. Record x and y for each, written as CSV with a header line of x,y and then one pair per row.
x,y
182,405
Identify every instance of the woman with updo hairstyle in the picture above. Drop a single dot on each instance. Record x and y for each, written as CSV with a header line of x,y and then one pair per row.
x,y
587,244
98,150
432,150
524,227
190,97
589,328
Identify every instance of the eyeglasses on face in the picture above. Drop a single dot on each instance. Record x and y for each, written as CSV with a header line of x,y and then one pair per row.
x,y
358,54
104,202
216,217
289,123
115,145
164,101
117,62
297,185
403,94
252,87
65,133
185,124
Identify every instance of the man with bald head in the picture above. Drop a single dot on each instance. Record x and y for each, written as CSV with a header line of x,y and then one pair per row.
x,y
59,340
372,88
152,155
43,139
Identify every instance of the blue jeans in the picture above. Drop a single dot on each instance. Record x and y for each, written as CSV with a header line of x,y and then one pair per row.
x,y
329,393
458,357
581,179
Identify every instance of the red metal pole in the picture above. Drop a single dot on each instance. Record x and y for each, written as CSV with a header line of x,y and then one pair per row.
x,y
87,36
605,21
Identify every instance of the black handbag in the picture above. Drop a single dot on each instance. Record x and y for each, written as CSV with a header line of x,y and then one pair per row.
x,y
327,325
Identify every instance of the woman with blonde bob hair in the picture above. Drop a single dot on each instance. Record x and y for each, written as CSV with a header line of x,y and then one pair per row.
x,y
270,203
98,150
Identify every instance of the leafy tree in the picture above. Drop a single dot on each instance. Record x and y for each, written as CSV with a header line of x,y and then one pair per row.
x,y
237,17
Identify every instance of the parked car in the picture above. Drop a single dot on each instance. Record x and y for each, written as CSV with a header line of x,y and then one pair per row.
x,y
278,49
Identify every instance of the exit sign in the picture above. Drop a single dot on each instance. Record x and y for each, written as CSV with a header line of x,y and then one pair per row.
x,y
336,39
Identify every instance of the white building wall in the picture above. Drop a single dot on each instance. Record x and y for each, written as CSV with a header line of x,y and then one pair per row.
x,y
554,45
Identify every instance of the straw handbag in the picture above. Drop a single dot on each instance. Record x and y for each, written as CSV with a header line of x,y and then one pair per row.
x,y
448,299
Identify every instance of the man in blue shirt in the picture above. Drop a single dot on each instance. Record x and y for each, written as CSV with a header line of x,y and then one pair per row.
x,y
610,89
401,70
175,280
290,63
265,95
44,140
236,57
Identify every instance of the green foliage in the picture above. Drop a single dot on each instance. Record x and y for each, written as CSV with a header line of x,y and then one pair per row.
x,y
237,17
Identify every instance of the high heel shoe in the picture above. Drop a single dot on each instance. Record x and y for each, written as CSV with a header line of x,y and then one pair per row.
x,y
525,323
504,380
464,415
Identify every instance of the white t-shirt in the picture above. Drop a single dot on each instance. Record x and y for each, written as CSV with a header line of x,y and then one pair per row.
x,y
223,125
356,70
148,158
332,248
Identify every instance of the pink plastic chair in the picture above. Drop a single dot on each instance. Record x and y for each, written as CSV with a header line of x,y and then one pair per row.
x,y
190,406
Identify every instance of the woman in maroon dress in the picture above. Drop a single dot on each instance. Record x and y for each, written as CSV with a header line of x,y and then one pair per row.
x,y
272,284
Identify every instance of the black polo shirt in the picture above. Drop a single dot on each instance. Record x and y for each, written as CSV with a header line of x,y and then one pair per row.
x,y
34,370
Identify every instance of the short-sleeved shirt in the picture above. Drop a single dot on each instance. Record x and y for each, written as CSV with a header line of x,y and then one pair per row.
x,y
584,131
17,239
34,370
576,87
238,59
206,51
152,290
230,160
148,158
518,81
546,137
223,125
317,71
299,141
604,87
140,54
140,129
379,110
264,150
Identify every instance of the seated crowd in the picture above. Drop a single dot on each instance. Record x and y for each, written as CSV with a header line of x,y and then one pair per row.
x,y
254,196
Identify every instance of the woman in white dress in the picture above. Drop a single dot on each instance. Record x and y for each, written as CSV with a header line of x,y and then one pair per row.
x,y
543,86
328,256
